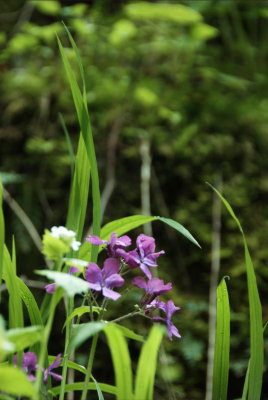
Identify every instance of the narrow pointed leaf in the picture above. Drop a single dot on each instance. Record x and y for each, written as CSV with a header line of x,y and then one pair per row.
x,y
222,344
255,320
145,375
121,362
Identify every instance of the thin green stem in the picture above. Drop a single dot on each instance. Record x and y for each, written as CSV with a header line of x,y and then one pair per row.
x,y
70,307
89,366
44,342
131,314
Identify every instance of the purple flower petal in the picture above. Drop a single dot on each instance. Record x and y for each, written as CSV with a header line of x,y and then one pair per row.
x,y
55,364
73,270
146,270
93,273
50,288
111,266
111,294
157,286
123,241
114,280
172,330
95,240
56,376
145,244
140,282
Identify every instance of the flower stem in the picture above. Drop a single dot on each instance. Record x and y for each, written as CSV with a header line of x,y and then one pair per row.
x,y
131,314
44,342
89,366
66,353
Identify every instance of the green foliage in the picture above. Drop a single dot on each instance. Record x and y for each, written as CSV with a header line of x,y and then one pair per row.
x,y
255,314
145,375
53,248
222,344
71,387
121,362
14,381
70,284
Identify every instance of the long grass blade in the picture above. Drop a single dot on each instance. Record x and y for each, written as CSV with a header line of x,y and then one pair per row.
x,y
121,362
68,142
222,344
144,383
85,126
79,191
255,314
14,303
78,386
2,235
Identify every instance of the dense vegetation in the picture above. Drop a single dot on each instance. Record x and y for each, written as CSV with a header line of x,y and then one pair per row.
x,y
182,95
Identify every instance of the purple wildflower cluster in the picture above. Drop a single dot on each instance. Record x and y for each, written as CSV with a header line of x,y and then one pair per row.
x,y
29,365
120,261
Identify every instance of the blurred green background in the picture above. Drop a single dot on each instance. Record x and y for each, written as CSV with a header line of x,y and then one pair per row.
x,y
178,96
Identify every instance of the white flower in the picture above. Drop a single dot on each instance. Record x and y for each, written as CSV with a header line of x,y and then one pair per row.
x,y
67,236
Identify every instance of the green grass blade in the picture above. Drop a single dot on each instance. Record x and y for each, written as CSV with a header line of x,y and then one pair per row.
x,y
14,303
245,388
69,142
85,126
255,314
2,235
222,344
121,362
79,191
78,386
144,382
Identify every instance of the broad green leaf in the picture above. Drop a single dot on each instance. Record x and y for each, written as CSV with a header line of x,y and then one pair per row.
x,y
24,337
2,236
82,332
176,13
71,387
145,375
255,314
222,344
70,284
77,312
121,362
70,364
124,225
14,381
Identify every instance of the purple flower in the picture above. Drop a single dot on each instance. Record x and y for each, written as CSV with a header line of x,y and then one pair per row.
x,y
144,256
113,245
56,363
169,308
105,279
29,364
50,288
153,287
